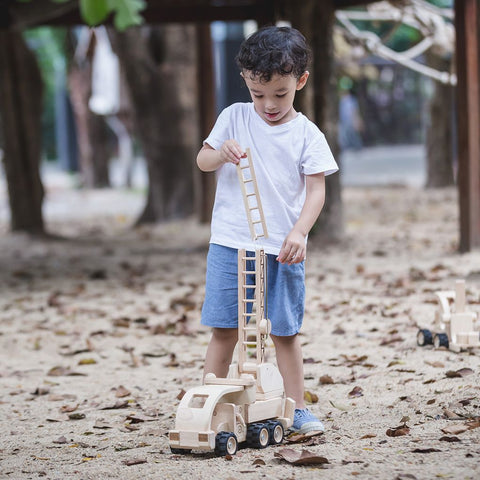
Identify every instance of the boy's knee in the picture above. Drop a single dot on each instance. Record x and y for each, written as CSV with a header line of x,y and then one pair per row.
x,y
284,340
225,334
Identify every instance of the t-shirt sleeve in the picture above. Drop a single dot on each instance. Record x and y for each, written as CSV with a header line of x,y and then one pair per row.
x,y
317,156
221,130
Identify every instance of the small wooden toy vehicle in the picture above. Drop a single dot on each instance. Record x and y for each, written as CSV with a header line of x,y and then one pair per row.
x,y
249,406
454,327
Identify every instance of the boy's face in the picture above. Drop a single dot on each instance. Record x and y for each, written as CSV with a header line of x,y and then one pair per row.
x,y
273,100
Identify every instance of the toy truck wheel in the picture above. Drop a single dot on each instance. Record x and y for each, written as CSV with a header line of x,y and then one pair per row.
x,y
424,337
276,431
440,340
226,444
258,435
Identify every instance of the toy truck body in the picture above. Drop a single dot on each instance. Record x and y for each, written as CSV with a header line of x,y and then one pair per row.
x,y
454,327
249,406
226,412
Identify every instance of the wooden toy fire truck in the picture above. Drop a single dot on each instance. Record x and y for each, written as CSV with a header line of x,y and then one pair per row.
x,y
454,327
249,406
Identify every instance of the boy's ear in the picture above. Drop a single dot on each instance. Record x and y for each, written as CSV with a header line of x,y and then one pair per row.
x,y
302,80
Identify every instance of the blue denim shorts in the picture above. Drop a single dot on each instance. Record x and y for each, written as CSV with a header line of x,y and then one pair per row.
x,y
285,292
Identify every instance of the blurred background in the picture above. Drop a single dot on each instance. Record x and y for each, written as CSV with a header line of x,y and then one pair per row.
x,y
124,110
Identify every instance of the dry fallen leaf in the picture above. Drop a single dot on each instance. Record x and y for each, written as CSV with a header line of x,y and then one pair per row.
x,y
310,438
118,404
76,416
60,440
68,408
310,397
305,457
455,429
326,380
173,361
392,339
425,450
398,431
462,372
121,392
471,424
87,361
435,364
339,406
449,439
100,424
134,461
62,371
181,394
356,392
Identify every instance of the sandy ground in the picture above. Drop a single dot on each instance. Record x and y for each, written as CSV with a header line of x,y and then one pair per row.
x,y
100,333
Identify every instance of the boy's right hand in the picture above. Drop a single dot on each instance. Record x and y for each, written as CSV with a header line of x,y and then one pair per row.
x,y
231,152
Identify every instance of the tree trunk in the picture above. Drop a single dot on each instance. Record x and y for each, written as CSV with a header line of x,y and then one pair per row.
x,y
92,131
159,64
207,113
320,100
21,106
439,131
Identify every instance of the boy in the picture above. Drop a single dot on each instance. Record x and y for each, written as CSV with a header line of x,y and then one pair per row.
x,y
291,158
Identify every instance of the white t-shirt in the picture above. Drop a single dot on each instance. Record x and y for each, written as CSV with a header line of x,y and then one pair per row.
x,y
282,155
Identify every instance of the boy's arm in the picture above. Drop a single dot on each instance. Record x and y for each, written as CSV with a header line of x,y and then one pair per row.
x,y
209,159
294,248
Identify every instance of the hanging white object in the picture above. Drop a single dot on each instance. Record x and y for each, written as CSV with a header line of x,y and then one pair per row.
x,y
105,98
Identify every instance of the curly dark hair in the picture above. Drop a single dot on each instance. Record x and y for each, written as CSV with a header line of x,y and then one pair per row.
x,y
274,50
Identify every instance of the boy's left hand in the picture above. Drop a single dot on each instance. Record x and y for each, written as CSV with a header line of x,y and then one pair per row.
x,y
293,249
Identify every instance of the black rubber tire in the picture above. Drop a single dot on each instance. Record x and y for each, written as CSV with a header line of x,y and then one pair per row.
x,y
258,435
440,340
424,337
226,443
276,431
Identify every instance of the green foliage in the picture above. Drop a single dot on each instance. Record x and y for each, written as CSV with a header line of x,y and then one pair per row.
x,y
48,44
127,13
94,11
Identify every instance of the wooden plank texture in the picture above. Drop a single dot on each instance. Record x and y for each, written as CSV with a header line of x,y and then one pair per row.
x,y
468,120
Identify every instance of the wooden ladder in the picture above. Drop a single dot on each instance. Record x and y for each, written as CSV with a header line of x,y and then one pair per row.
x,y
253,323
250,324
251,197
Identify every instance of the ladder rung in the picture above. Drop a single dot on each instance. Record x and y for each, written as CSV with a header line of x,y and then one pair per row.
x,y
251,194
248,301
251,342
248,271
254,208
248,181
249,286
257,221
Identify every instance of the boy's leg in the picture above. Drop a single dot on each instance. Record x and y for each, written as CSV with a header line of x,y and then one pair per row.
x,y
220,351
290,363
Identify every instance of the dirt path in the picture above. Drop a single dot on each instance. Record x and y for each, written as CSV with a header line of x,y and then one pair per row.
x,y
100,333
